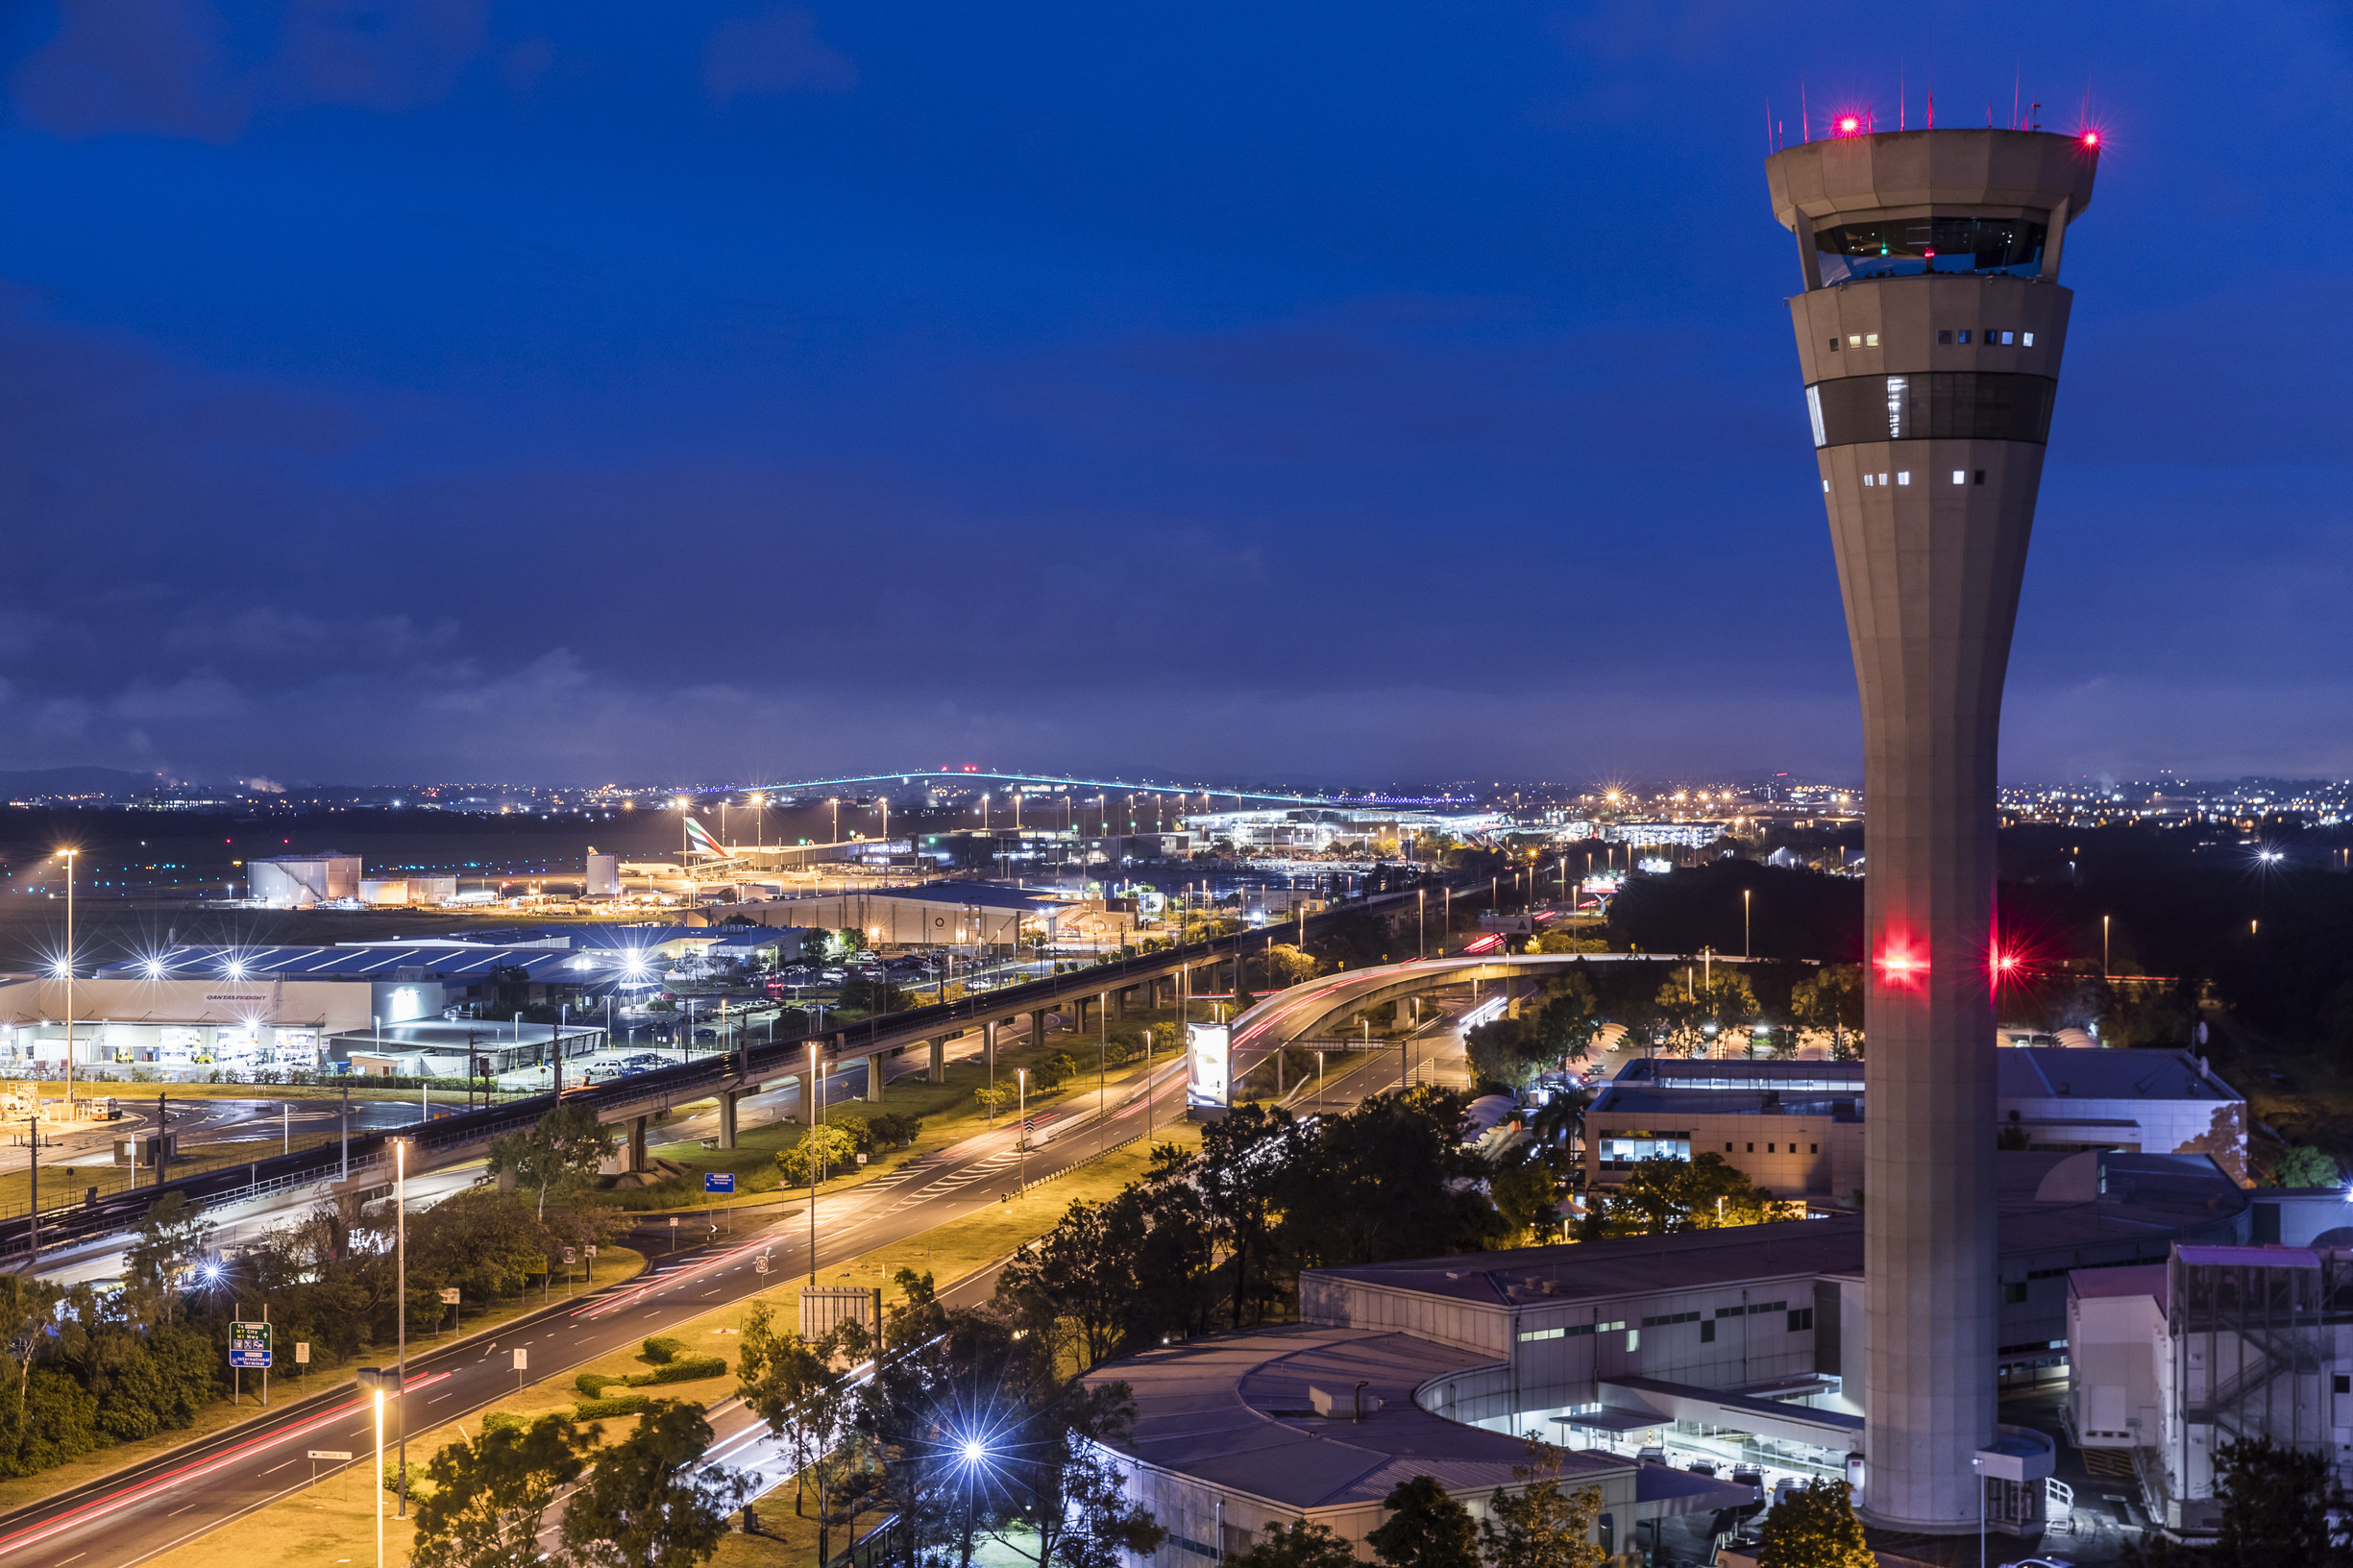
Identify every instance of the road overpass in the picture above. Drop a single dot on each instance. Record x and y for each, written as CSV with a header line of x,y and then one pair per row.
x,y
633,1103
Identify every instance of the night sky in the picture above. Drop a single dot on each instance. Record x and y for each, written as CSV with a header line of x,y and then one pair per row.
x,y
573,391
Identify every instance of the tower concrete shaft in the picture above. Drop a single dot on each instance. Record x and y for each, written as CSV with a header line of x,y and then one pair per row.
x,y
1930,330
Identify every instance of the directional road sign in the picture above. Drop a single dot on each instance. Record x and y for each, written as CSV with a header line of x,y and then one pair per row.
x,y
249,1346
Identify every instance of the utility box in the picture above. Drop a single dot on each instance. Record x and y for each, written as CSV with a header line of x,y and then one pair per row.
x,y
142,1151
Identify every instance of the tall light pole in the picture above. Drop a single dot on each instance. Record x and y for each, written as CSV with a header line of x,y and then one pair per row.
x,y
835,803
400,1253
1743,922
67,856
2104,947
811,1136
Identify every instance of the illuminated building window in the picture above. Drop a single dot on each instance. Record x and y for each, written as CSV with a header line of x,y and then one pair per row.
x,y
1964,334
1866,480
2026,339
1904,477
1871,340
1854,340
1825,487
1883,481
2005,339
1960,476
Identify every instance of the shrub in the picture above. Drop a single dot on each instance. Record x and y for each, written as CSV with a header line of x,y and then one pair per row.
x,y
592,1385
682,1369
663,1349
599,1410
504,1421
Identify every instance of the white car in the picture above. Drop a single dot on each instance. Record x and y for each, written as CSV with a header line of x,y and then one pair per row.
x,y
2039,1562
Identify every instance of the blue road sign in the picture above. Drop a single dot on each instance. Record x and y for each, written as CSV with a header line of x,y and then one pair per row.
x,y
719,1181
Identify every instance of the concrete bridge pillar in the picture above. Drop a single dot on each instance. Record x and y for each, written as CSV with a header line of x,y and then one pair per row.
x,y
637,1142
874,1077
1117,1003
727,1116
938,1071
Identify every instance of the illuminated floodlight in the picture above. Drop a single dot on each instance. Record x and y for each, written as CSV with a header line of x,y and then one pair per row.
x,y
236,969
154,968
974,1450
212,1273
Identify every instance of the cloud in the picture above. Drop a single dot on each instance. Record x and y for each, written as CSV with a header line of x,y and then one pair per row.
x,y
374,55
178,68
771,55
154,67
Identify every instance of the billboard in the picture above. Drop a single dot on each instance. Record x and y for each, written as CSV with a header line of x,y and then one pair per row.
x,y
1208,1085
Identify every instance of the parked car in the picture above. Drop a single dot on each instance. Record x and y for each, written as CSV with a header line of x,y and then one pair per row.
x,y
600,1072
1650,1453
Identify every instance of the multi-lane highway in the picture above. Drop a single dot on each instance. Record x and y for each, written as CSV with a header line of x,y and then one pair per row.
x,y
148,1508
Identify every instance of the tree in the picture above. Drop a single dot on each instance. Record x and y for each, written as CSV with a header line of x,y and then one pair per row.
x,y
1239,1172
813,944
1524,1188
1069,1492
2300,1164
1815,1527
1426,1528
846,941
1830,1001
1541,1526
488,1495
172,1236
2275,1506
565,1148
789,1382
1298,1544
1287,965
1389,1179
644,1505
1078,1281
831,1145
1662,1195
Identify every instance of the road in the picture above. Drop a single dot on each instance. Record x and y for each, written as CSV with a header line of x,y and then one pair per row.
x,y
149,1508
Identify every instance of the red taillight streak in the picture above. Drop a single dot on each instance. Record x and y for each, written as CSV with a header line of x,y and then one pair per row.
x,y
198,1467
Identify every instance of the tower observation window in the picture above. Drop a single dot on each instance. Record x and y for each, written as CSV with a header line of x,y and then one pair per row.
x,y
1940,406
1908,247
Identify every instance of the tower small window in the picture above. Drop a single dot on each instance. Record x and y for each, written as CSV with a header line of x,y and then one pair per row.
x,y
1834,345
1945,336
2005,339
1883,481
1980,478
1964,334
2026,339
1903,476
1825,487
1871,340
1813,1148
1866,481
1960,476
1854,340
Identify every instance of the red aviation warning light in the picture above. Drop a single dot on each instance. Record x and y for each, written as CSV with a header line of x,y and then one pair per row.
x,y
1848,125
1899,965
2091,138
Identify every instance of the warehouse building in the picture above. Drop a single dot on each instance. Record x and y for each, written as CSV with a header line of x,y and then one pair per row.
x,y
1795,1127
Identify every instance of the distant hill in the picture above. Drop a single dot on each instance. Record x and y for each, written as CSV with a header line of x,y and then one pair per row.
x,y
30,783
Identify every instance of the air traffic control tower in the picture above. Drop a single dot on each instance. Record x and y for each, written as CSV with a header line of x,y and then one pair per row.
x,y
1931,328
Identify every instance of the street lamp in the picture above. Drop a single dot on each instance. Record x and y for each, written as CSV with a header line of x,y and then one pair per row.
x,y
67,856
1743,922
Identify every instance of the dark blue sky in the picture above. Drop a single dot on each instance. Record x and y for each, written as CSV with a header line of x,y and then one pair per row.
x,y
571,391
